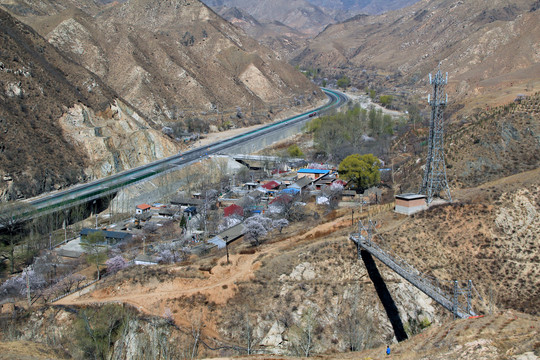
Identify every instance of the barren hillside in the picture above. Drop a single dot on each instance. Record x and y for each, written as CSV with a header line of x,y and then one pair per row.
x,y
277,36
490,49
176,60
482,147
58,121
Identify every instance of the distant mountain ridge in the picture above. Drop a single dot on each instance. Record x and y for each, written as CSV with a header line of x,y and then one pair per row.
x,y
371,7
300,15
490,49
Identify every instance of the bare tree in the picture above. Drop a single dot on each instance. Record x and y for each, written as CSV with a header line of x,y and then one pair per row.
x,y
354,325
196,333
302,335
280,224
12,218
93,246
249,333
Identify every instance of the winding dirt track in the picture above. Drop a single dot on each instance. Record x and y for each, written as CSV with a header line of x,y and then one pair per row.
x,y
219,286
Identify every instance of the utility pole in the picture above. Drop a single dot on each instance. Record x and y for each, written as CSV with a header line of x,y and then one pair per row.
x,y
226,238
28,297
144,245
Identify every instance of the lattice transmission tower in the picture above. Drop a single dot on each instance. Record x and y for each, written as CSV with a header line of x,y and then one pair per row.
x,y
434,181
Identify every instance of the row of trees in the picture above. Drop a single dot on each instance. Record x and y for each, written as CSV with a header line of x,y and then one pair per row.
x,y
355,131
21,238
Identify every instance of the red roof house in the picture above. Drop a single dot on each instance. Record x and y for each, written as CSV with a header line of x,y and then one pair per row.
x,y
282,199
271,185
142,208
233,210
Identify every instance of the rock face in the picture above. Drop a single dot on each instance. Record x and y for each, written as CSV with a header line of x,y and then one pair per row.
x,y
149,64
169,58
59,124
115,140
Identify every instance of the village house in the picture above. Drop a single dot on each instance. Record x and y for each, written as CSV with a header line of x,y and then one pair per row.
x,y
111,237
233,210
142,208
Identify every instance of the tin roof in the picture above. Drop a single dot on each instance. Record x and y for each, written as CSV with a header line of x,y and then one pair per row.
x,y
410,196
107,234
302,183
271,185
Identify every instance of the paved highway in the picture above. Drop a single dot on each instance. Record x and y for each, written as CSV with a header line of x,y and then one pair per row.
x,y
99,188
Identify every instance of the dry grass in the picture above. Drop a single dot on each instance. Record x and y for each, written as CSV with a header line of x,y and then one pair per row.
x,y
26,350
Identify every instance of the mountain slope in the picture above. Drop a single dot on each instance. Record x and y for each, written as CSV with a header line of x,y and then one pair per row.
x,y
485,46
58,121
170,57
298,14
277,36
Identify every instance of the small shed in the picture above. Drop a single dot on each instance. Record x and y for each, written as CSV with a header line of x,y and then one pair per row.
x,y
183,201
348,194
409,204
251,185
233,233
168,212
233,210
144,259
142,208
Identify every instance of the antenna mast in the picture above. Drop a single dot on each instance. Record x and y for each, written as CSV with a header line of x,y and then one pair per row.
x,y
435,181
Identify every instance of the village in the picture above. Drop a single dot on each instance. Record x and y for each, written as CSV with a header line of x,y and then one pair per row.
x,y
203,221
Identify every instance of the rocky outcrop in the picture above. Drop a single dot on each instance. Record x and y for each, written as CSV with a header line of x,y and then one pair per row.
x,y
115,141
59,123
175,60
